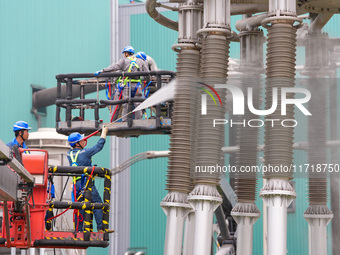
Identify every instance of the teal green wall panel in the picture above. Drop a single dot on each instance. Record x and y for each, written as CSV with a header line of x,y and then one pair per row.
x,y
43,38
147,191
154,39
40,39
148,178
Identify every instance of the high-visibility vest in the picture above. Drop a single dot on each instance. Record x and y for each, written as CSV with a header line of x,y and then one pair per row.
x,y
74,163
133,63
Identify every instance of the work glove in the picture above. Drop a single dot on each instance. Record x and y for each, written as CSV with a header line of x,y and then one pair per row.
x,y
104,132
98,72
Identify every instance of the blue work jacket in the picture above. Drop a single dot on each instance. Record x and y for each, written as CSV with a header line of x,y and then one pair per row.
x,y
85,155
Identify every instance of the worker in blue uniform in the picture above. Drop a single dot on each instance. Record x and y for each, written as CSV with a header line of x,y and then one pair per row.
x,y
129,63
20,129
78,155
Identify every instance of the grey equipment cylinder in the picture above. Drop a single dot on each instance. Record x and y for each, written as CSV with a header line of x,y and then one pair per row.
x,y
247,136
245,212
214,67
280,74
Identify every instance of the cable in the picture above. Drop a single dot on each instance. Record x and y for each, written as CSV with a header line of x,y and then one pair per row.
x,y
136,158
62,194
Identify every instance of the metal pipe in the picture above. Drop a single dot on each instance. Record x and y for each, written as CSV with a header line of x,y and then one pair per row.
x,y
317,214
318,217
296,146
251,22
277,191
277,216
247,8
214,70
48,97
174,227
179,181
221,220
245,211
157,154
320,21
152,63
204,206
150,6
245,226
334,182
188,243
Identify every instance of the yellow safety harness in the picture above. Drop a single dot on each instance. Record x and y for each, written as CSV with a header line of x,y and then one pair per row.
x,y
123,80
74,163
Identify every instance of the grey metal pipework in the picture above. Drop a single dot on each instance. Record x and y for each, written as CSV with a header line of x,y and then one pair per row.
x,y
250,8
179,182
48,97
254,21
235,9
214,70
334,182
277,191
317,61
221,220
280,70
151,63
317,66
251,43
150,6
217,15
190,19
188,61
320,21
180,141
285,7
214,67
245,212
317,153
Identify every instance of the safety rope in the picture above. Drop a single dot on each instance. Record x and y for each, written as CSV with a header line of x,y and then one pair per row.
x,y
120,97
108,92
146,95
81,194
123,81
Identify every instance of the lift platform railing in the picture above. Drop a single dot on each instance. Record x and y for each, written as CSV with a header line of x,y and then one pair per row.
x,y
24,214
84,80
86,204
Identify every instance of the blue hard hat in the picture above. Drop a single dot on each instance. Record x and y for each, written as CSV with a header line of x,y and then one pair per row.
x,y
141,55
74,138
129,49
21,125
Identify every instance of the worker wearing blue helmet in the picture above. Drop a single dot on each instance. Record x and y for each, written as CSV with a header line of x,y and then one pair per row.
x,y
78,155
20,129
141,55
122,64
150,62
129,63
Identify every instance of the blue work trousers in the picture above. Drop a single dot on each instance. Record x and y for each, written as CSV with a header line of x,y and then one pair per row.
x,y
98,214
